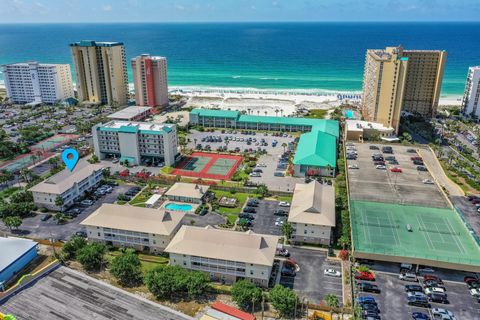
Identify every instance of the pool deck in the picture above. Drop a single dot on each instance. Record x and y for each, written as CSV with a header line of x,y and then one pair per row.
x,y
194,206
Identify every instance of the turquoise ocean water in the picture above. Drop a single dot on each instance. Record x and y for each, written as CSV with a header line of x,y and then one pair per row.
x,y
314,56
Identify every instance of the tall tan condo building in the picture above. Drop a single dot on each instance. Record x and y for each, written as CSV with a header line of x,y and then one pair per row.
x,y
398,80
150,80
101,72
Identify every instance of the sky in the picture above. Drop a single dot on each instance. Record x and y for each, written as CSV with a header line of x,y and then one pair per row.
x,y
32,11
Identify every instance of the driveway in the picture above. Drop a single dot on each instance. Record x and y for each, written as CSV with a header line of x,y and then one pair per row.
x,y
285,183
310,282
265,221
33,227
210,218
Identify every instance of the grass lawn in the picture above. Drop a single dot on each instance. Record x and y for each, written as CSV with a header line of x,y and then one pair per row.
x,y
231,218
317,113
284,198
241,198
148,261
141,198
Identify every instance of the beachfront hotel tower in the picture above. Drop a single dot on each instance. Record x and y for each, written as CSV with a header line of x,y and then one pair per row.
x,y
101,72
384,80
35,83
471,97
150,80
398,80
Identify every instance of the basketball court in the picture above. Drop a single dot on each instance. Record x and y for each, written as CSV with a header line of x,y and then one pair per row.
x,y
208,166
412,231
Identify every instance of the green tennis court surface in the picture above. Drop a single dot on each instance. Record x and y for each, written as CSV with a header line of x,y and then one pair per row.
x,y
53,141
437,234
221,166
196,164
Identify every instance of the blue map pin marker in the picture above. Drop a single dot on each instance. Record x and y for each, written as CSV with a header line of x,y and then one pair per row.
x,y
70,158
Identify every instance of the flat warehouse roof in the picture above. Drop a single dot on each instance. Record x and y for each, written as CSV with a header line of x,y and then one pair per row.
x,y
128,113
13,248
437,234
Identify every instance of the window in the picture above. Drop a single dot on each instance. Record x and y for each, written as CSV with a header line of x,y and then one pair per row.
x,y
251,272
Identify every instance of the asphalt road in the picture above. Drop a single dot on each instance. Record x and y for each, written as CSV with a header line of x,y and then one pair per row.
x,y
265,221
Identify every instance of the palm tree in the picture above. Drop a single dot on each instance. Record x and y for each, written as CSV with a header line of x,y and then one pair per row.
x,y
265,112
258,112
281,112
284,145
276,112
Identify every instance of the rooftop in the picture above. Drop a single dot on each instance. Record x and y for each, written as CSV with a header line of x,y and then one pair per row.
x,y
313,203
27,64
316,148
247,247
134,127
191,190
360,125
128,113
12,249
64,180
91,43
133,218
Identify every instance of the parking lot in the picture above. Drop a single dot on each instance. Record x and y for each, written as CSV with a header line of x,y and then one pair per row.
x,y
34,227
265,221
407,187
392,301
239,141
310,282
469,212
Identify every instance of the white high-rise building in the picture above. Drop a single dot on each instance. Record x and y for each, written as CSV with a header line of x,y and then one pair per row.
x,y
471,97
34,82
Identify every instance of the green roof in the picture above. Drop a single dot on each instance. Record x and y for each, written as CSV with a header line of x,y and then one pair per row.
x,y
128,129
328,126
316,148
216,113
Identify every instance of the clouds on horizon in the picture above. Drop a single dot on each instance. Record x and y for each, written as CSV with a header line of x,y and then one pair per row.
x,y
236,10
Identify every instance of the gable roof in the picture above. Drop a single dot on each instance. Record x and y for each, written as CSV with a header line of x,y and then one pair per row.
x,y
132,218
313,203
247,247
190,190
316,148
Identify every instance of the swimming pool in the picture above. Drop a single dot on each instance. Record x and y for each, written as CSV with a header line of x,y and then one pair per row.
x,y
349,114
178,207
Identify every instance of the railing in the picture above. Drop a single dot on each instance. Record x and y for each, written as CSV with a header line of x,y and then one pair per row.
x,y
467,225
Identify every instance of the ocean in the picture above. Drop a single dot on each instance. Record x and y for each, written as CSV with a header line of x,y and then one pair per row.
x,y
322,57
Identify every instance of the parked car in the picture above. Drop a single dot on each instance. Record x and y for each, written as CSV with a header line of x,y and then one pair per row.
x,y
365,275
422,168
367,299
252,203
419,302
249,210
288,272
86,203
368,287
255,175
430,290
420,316
280,212
413,288
82,234
353,166
408,277
380,167
246,216
427,181
46,217
396,169
283,252
442,312
284,204
332,273
475,292
438,298
432,277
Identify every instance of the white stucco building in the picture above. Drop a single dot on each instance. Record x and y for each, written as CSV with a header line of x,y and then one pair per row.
x,y
312,213
471,97
136,142
36,83
70,186
142,229
223,254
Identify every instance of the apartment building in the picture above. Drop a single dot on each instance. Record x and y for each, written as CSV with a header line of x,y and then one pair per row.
x,y
471,97
132,113
101,72
398,80
136,142
223,254
150,80
187,192
36,83
312,213
142,229
384,80
69,186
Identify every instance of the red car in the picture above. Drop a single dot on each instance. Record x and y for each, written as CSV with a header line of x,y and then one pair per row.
x,y
416,158
365,275
434,278
395,169
469,279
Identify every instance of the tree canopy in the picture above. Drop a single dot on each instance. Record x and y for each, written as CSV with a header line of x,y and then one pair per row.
x,y
127,268
245,293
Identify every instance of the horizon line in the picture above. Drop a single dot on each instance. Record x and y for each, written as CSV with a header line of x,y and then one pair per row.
x,y
247,21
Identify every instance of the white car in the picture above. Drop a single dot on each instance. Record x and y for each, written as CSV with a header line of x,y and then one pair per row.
x,y
427,181
353,166
380,167
255,175
431,290
442,312
416,294
284,204
475,292
332,273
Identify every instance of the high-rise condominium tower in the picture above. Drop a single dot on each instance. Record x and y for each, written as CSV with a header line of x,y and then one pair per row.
x,y
101,72
397,79
34,82
471,97
150,80
383,86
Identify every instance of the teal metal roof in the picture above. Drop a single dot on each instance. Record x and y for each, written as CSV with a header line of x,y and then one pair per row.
x,y
216,113
128,129
316,148
151,132
329,126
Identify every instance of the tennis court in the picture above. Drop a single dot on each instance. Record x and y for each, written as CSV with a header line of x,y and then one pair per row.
x,y
24,161
436,234
53,142
208,166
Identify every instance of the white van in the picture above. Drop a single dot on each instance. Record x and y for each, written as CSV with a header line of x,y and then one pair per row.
x,y
408,277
